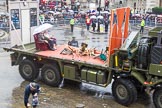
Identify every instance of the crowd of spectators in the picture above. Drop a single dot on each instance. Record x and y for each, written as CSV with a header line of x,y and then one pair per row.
x,y
66,12
148,17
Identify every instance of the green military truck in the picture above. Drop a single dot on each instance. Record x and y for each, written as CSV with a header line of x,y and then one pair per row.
x,y
132,69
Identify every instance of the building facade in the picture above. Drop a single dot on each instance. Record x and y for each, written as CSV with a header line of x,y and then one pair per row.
x,y
3,7
151,4
160,4
143,6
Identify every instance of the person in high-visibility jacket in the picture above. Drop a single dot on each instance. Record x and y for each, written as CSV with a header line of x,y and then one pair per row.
x,y
88,22
142,26
72,22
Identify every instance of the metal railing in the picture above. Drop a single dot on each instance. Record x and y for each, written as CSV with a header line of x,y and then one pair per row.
x,y
151,23
81,22
64,22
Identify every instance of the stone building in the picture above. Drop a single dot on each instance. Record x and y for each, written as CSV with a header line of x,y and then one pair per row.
x,y
143,6
3,7
160,3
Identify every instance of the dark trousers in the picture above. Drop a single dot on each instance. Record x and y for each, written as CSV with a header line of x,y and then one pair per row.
x,y
106,28
142,29
98,29
50,43
94,29
87,27
72,27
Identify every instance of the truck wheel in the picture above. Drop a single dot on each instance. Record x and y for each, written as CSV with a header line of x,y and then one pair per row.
x,y
50,75
28,70
124,91
157,98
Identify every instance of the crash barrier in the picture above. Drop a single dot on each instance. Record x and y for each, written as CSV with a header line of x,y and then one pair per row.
x,y
64,22
81,22
151,23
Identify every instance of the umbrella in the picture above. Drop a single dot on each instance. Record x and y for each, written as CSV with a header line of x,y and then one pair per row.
x,y
94,13
78,3
137,15
93,17
159,15
91,11
42,28
106,12
71,11
100,17
57,13
52,12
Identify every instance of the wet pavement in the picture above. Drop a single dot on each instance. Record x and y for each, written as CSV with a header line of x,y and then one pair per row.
x,y
70,94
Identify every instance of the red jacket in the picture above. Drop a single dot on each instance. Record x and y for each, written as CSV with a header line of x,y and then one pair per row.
x,y
88,21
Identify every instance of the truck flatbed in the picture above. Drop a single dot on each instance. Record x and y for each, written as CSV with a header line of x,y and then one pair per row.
x,y
74,57
88,59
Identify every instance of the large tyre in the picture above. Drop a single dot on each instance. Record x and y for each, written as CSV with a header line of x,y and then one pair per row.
x,y
139,87
28,70
157,98
51,75
124,91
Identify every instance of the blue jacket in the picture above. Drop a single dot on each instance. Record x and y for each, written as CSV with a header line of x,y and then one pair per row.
x,y
73,43
28,92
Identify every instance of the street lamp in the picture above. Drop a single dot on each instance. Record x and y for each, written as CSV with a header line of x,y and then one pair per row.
x,y
99,7
134,7
7,5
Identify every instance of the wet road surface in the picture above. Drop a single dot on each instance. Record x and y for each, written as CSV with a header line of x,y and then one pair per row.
x,y
12,85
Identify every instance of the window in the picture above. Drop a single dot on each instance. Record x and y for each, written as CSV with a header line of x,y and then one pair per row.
x,y
2,3
33,17
4,22
15,18
152,1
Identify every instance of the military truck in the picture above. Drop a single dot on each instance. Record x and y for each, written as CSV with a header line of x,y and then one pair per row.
x,y
132,70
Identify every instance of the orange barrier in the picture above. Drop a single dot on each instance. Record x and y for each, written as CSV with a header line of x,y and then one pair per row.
x,y
111,32
126,23
120,19
117,36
